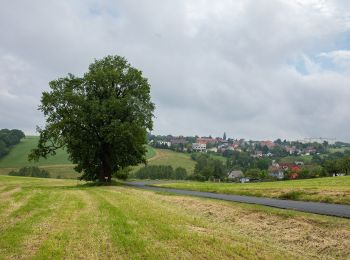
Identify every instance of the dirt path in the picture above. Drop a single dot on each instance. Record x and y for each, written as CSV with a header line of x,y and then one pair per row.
x,y
159,154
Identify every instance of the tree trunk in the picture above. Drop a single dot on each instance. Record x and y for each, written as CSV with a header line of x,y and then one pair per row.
x,y
105,174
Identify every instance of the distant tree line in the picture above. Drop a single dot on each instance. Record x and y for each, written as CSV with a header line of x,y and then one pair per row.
x,y
9,138
243,161
31,171
154,172
208,168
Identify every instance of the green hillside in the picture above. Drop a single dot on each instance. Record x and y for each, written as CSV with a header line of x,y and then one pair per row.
x,y
60,166
174,159
18,156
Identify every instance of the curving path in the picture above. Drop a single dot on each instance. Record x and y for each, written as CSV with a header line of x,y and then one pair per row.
x,y
311,207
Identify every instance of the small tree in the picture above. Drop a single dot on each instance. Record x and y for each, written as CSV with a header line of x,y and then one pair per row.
x,y
180,173
101,119
253,173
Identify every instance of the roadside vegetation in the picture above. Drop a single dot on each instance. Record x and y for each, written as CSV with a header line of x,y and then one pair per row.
x,y
154,172
48,218
331,189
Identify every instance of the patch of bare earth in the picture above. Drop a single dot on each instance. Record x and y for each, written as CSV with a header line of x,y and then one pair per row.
x,y
311,237
11,205
7,194
159,154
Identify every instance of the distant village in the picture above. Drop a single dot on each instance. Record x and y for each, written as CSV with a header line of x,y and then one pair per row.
x,y
306,158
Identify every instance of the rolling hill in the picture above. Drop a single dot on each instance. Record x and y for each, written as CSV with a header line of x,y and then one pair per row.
x,y
60,166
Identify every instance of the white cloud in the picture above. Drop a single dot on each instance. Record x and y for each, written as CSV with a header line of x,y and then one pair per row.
x,y
214,66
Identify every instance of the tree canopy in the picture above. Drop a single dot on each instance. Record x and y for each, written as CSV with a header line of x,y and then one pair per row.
x,y
9,138
101,119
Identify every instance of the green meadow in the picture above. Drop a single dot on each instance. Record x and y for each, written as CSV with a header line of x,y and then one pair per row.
x,y
174,159
59,165
58,219
330,189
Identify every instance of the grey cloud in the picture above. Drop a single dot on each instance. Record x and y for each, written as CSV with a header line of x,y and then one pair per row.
x,y
213,66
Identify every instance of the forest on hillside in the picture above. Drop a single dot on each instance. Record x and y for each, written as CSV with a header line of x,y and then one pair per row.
x,y
9,138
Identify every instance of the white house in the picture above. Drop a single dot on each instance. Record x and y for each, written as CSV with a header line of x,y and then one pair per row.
x,y
235,175
199,147
244,179
164,143
213,149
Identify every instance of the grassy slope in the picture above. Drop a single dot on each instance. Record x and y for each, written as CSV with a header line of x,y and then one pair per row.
x,y
60,166
292,159
332,189
48,218
168,157
343,149
18,156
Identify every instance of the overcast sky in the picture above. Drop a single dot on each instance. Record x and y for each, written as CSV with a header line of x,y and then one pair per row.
x,y
254,69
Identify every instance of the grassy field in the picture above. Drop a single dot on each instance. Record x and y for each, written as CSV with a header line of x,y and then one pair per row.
x,y
59,165
18,156
58,219
334,150
331,189
174,159
292,159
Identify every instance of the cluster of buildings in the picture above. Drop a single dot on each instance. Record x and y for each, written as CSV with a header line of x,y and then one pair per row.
x,y
205,144
276,171
256,149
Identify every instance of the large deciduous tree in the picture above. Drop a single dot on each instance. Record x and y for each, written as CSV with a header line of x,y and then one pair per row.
x,y
101,119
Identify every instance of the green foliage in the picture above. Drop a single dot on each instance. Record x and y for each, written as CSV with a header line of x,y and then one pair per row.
x,y
253,173
9,138
180,173
123,173
291,195
263,164
208,168
161,172
240,160
101,119
343,165
3,148
304,173
31,172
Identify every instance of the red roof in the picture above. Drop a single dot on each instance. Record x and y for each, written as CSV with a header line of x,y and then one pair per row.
x,y
294,176
204,140
295,168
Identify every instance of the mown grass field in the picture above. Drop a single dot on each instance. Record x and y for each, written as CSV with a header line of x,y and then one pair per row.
x,y
58,219
174,159
331,189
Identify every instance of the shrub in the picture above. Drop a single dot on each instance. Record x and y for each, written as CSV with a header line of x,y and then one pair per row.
x,y
161,172
292,195
32,171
